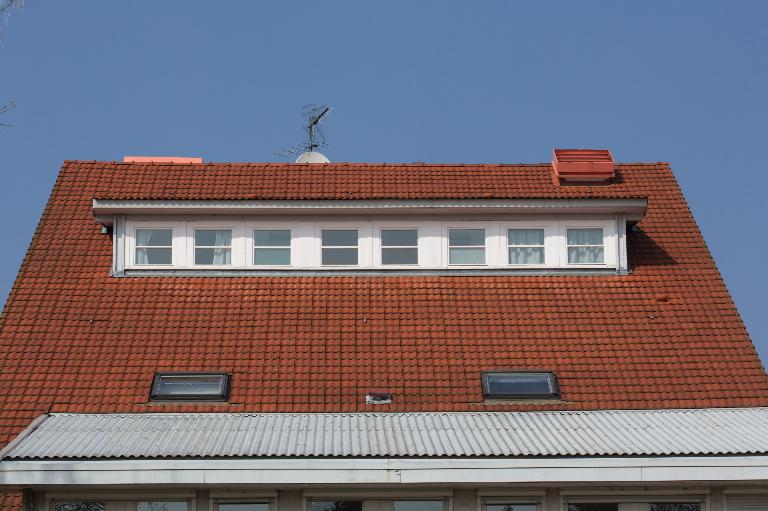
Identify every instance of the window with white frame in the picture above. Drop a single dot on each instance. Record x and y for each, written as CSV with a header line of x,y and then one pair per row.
x,y
466,246
272,247
284,244
586,245
213,247
399,247
339,247
242,506
525,246
154,247
511,507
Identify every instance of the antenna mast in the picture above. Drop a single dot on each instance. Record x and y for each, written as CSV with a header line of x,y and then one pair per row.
x,y
315,138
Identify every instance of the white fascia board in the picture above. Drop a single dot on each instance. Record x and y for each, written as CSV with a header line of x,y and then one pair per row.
x,y
104,209
383,471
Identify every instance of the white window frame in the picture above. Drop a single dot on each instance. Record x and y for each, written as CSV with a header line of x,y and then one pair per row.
x,y
177,244
610,259
215,501
364,244
251,226
490,235
536,500
550,242
237,259
378,245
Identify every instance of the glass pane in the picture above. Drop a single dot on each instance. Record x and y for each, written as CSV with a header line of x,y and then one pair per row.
x,y
511,507
585,255
399,237
221,256
466,255
213,237
340,238
591,236
526,255
525,236
340,256
338,505
593,507
518,384
74,505
154,237
677,506
466,237
161,506
203,385
418,505
272,238
276,256
243,506
153,256
399,256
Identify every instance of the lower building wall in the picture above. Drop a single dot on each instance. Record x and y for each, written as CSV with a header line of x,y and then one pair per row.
x,y
626,498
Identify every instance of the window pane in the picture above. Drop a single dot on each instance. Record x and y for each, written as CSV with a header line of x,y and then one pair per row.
x,y
339,237
220,256
591,236
511,507
518,384
153,256
272,238
213,237
340,256
399,237
276,256
526,255
154,237
677,506
525,236
399,256
75,505
418,505
466,237
161,506
466,255
205,385
593,507
586,255
243,506
338,505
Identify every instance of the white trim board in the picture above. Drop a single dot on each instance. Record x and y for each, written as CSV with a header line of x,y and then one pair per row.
x,y
385,471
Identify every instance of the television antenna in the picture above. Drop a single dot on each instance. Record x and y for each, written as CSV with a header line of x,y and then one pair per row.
x,y
5,108
313,116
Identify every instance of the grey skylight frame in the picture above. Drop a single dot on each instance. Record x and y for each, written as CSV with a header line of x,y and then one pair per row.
x,y
552,378
222,396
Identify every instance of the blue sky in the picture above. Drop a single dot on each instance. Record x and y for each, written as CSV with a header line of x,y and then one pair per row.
x,y
437,81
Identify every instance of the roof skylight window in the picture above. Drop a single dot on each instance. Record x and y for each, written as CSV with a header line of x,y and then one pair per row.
x,y
190,387
519,385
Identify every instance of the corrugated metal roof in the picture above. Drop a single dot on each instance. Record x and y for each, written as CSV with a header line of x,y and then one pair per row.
x,y
564,433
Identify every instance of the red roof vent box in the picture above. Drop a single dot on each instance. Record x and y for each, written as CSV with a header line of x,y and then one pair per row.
x,y
583,164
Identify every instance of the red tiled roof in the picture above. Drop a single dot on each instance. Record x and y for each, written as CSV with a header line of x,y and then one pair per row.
x,y
75,339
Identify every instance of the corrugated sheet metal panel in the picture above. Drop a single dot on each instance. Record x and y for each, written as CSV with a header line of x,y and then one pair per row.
x,y
588,433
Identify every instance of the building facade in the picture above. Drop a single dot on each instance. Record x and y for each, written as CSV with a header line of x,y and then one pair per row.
x,y
189,336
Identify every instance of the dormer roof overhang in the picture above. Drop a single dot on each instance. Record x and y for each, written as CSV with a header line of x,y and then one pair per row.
x,y
105,209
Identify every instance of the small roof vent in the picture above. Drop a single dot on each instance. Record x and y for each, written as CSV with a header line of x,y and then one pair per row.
x,y
161,159
378,397
583,164
312,157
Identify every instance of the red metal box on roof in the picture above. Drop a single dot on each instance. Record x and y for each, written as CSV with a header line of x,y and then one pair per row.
x,y
583,164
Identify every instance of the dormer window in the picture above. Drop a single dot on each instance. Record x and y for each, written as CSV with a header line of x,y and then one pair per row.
x,y
190,387
339,247
399,246
519,385
272,247
154,246
585,245
525,246
213,247
466,246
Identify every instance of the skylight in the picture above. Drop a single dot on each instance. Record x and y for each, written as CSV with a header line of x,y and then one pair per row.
x,y
519,385
190,386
